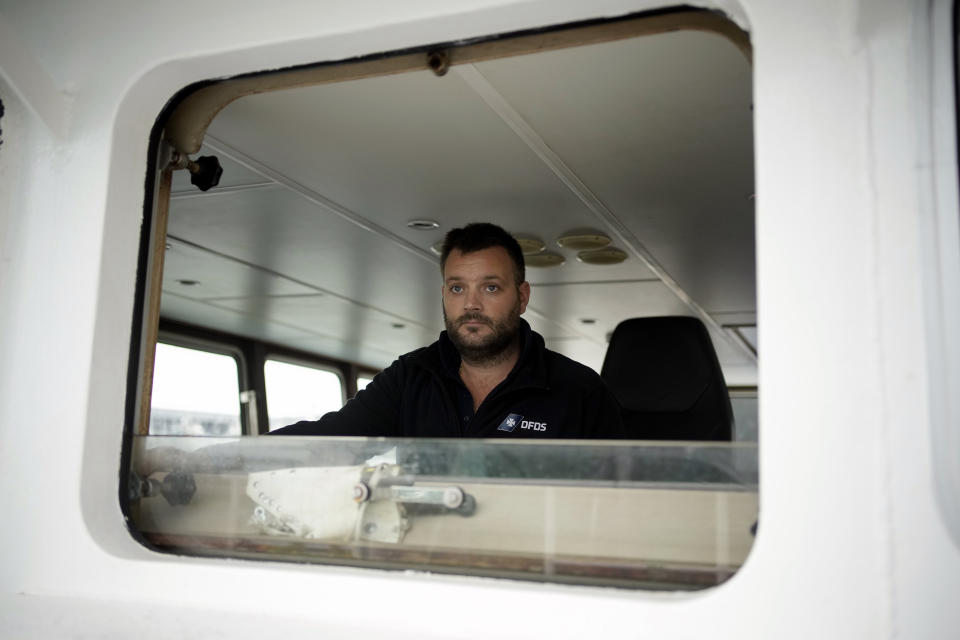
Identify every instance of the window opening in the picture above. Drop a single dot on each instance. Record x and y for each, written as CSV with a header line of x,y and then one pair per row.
x,y
298,392
554,510
745,414
195,393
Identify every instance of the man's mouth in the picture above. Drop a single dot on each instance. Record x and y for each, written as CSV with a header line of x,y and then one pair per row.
x,y
473,322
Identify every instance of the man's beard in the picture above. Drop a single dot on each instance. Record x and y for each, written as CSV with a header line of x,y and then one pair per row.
x,y
494,347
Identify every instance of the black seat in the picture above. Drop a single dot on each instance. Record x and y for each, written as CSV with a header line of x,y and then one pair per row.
x,y
666,376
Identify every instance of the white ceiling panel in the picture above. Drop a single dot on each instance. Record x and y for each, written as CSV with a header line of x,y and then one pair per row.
x,y
346,330
660,129
219,318
217,276
405,147
574,271
736,319
287,234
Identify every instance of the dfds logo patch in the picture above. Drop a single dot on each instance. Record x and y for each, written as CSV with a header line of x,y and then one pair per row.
x,y
510,422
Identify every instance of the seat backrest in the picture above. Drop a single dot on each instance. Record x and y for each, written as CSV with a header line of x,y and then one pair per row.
x,y
666,376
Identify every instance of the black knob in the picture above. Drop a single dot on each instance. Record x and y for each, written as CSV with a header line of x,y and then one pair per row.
x,y
207,173
468,507
178,487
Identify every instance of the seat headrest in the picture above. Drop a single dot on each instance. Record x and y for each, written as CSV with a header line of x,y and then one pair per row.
x,y
660,364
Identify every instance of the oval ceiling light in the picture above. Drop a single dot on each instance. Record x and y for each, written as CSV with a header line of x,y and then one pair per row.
x,y
423,224
530,245
583,239
437,248
610,255
545,259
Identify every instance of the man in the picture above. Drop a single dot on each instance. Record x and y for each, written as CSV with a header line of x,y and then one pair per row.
x,y
489,375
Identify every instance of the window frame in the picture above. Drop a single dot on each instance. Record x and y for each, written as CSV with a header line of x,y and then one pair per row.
x,y
158,187
942,258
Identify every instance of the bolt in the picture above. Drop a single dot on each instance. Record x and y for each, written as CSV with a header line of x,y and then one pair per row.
x,y
439,62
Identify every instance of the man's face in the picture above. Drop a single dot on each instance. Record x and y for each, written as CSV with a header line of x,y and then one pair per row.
x,y
482,302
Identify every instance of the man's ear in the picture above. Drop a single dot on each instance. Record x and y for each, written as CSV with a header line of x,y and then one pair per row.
x,y
524,290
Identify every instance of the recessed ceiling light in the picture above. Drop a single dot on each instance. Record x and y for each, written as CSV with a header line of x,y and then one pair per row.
x,y
530,245
583,239
188,283
610,255
545,259
423,224
398,325
588,320
437,247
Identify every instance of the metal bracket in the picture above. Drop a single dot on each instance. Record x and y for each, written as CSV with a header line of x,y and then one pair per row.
x,y
387,482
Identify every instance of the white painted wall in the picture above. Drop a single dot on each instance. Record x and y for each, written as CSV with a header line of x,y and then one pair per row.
x,y
851,544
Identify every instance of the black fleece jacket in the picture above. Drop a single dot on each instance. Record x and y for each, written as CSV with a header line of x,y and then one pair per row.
x,y
546,395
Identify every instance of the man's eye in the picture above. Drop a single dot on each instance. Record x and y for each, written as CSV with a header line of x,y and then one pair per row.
x,y
455,288
492,287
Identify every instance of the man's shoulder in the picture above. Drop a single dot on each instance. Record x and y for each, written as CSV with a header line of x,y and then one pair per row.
x,y
422,356
567,371
409,360
420,361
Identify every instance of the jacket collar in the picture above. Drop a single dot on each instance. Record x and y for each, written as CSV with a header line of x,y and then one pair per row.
x,y
443,359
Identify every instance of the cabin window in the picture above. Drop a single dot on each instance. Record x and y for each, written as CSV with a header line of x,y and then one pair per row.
x,y
745,414
620,151
195,393
299,392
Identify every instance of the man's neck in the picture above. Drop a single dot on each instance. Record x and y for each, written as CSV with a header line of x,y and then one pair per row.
x,y
482,377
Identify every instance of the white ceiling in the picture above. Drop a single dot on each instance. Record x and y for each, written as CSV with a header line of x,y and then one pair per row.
x,y
305,241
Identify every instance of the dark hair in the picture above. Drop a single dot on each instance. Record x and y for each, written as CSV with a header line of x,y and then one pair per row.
x,y
477,236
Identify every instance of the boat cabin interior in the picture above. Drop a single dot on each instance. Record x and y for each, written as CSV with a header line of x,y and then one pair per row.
x,y
620,154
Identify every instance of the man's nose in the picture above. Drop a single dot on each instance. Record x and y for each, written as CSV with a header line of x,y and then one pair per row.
x,y
471,300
